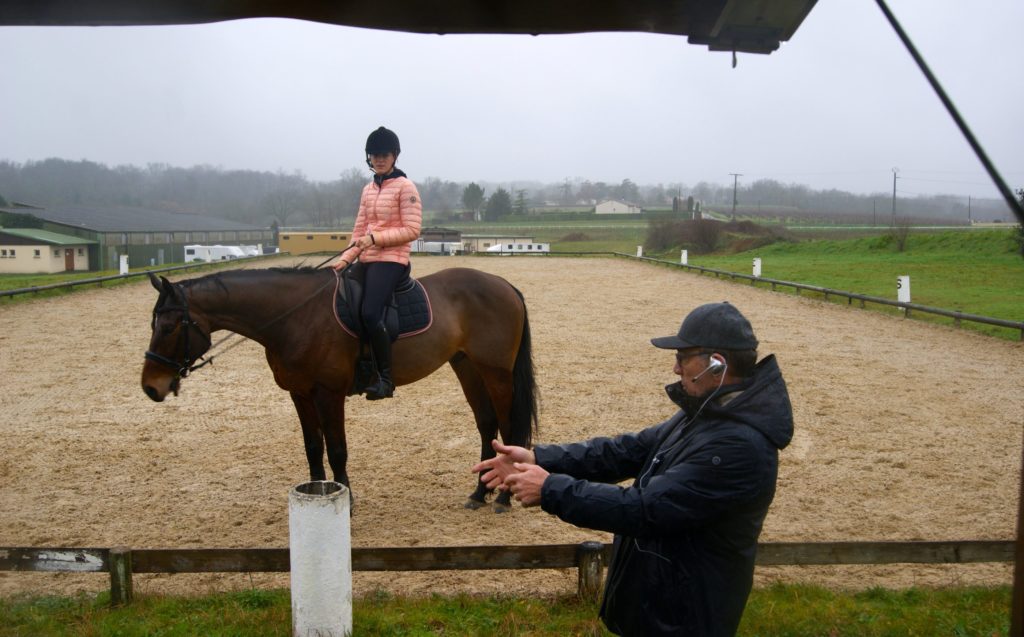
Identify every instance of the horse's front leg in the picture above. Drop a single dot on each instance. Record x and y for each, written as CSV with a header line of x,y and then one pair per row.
x,y
330,409
312,438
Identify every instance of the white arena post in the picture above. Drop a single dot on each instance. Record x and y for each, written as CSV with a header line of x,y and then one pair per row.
x,y
123,264
757,267
683,258
903,290
639,251
320,552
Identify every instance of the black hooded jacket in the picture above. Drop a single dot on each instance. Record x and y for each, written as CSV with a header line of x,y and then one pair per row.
x,y
687,528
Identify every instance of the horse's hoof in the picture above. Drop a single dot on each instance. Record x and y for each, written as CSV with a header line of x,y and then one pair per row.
x,y
501,508
474,504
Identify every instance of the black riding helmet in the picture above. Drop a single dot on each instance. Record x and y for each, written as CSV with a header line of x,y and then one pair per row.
x,y
383,141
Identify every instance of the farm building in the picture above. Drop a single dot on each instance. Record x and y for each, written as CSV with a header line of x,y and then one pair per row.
x,y
481,242
299,241
32,251
438,234
146,236
615,207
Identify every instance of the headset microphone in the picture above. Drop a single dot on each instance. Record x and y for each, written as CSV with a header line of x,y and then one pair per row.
x,y
715,365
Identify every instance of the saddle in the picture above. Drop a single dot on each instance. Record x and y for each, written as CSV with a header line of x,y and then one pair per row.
x,y
407,313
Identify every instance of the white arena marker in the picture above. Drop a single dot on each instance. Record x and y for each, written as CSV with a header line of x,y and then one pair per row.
x,y
123,269
903,289
320,552
639,251
683,257
757,267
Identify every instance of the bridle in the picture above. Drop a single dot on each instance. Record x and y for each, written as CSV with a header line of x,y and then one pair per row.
x,y
185,366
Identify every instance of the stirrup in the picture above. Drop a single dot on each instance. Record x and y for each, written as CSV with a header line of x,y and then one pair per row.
x,y
380,390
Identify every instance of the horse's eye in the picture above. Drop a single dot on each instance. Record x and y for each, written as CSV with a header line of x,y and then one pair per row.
x,y
166,328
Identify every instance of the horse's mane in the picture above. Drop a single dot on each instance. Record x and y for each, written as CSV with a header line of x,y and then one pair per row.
x,y
217,278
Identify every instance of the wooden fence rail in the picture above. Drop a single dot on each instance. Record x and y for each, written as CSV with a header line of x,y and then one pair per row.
x,y
100,280
589,558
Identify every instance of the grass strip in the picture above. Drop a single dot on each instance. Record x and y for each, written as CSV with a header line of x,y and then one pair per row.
x,y
781,610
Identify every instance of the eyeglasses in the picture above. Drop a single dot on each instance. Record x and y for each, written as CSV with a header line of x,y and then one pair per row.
x,y
682,356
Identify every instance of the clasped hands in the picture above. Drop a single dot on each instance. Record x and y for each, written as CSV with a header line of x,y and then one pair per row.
x,y
515,470
361,244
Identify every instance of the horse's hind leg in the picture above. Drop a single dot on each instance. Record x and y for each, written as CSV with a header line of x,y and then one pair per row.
x,y
486,423
312,438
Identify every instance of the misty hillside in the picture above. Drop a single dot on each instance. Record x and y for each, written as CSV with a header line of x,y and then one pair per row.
x,y
260,198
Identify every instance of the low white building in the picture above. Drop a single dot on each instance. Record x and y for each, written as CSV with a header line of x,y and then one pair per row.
x,y
484,242
34,251
616,207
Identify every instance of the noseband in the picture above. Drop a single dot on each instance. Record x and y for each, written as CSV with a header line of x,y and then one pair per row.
x,y
183,367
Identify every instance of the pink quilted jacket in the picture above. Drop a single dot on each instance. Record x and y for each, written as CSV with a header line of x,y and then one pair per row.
x,y
393,214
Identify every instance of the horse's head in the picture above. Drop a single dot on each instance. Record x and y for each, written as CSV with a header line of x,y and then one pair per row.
x,y
179,339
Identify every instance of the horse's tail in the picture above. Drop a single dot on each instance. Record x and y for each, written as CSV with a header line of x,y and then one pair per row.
x,y
524,387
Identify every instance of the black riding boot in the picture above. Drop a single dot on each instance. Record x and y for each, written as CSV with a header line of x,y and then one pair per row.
x,y
380,345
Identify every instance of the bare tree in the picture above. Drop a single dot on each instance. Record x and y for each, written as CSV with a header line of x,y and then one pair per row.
x,y
901,233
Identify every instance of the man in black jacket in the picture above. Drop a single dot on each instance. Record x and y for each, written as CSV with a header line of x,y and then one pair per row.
x,y
686,529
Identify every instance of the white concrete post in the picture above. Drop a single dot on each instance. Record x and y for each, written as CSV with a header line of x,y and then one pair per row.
x,y
123,264
903,290
683,258
757,267
639,251
320,551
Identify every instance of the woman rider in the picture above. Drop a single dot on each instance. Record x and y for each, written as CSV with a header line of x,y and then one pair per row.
x,y
389,220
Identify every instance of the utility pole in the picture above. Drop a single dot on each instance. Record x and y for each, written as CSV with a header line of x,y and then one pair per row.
x,y
874,213
895,171
735,177
968,210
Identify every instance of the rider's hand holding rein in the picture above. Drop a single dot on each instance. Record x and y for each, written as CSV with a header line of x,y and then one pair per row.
x,y
353,251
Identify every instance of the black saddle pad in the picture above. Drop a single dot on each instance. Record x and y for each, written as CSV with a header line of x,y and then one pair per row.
x,y
407,313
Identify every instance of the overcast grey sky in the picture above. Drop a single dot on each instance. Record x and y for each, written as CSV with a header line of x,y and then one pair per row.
x,y
838,106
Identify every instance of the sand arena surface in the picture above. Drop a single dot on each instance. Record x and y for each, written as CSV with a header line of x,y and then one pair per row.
x,y
904,431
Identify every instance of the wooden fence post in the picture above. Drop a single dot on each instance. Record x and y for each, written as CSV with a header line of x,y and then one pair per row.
x,y
120,576
591,571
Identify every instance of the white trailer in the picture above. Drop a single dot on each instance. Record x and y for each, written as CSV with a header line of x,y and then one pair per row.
x,y
520,248
436,247
198,252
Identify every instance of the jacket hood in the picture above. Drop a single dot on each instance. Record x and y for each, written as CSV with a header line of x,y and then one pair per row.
x,y
762,402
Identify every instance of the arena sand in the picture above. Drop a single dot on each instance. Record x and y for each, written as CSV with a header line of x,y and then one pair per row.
x,y
904,431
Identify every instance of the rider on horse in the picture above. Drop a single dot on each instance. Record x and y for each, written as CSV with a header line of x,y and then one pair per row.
x,y
389,220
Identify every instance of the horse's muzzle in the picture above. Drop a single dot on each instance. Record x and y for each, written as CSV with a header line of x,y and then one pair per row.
x,y
152,393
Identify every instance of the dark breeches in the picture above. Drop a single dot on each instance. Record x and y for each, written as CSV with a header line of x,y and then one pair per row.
x,y
381,279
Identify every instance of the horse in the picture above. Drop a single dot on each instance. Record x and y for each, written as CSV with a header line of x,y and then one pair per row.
x,y
480,327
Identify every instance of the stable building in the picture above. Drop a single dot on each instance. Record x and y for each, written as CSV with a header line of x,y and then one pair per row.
x,y
34,251
148,237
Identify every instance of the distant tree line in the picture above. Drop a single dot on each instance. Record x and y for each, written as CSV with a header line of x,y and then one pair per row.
x,y
291,199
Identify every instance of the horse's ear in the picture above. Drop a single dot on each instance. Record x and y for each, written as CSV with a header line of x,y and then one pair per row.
x,y
155,282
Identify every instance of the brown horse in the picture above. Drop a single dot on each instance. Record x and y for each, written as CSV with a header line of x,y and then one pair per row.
x,y
480,328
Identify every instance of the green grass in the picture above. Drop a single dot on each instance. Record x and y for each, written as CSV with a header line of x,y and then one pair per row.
x,y
777,611
977,272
